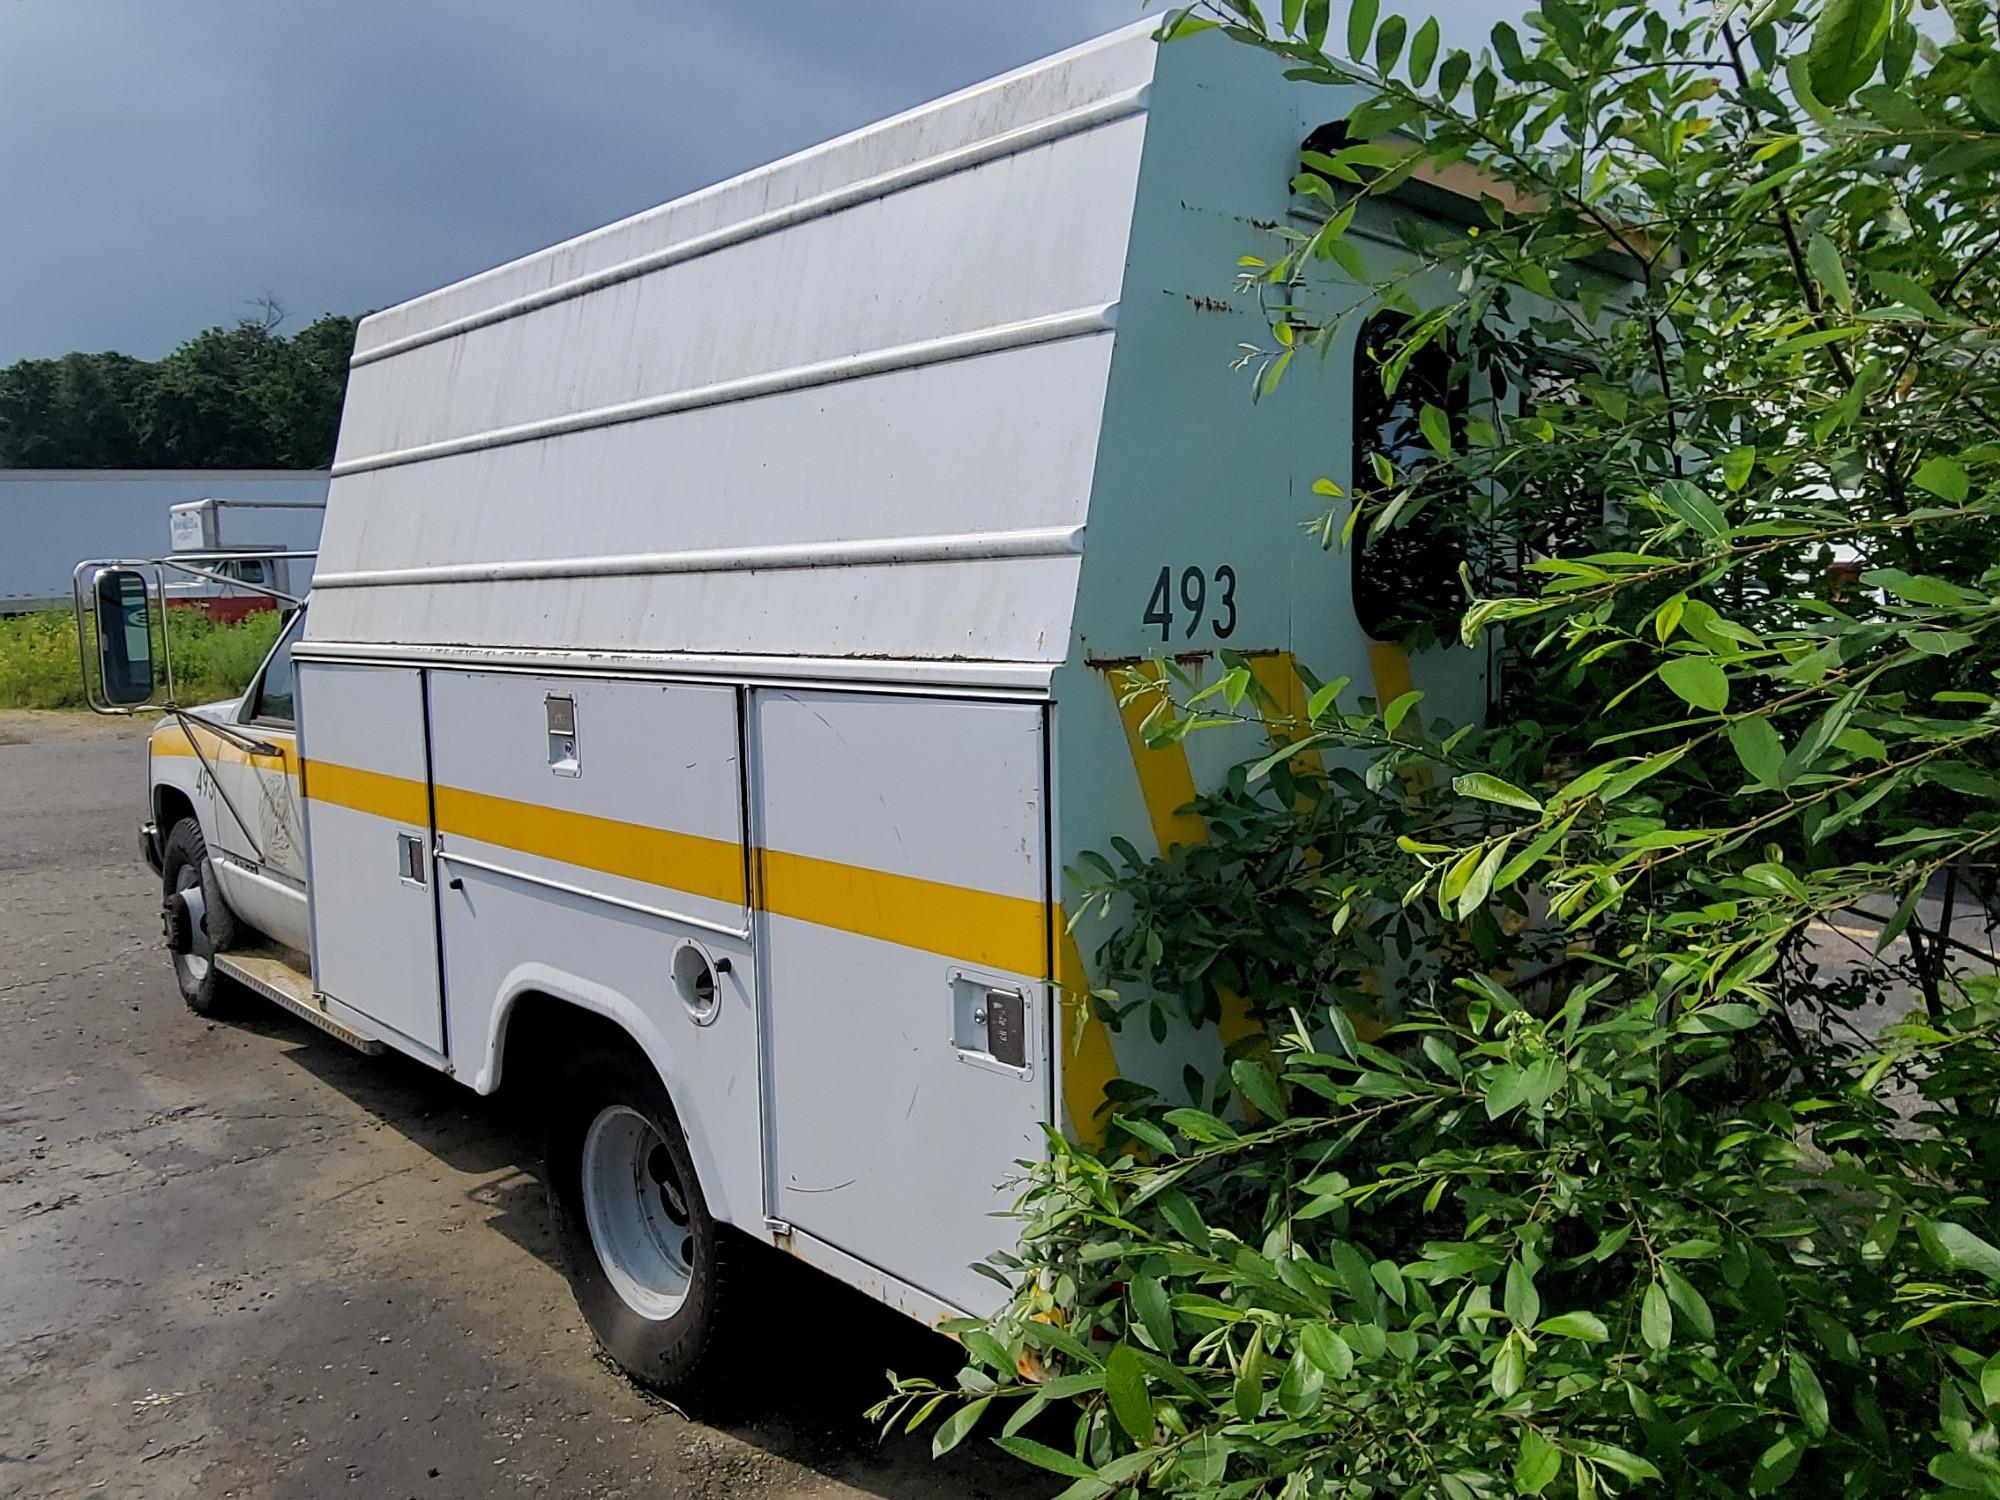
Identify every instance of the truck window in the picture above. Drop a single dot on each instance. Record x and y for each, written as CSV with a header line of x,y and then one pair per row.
x,y
272,700
1406,579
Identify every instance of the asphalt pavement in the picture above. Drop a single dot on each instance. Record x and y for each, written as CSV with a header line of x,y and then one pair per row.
x,y
239,1259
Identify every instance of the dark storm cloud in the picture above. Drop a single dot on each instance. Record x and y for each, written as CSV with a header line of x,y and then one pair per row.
x,y
164,161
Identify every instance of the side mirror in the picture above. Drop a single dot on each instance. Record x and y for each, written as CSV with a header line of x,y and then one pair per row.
x,y
124,636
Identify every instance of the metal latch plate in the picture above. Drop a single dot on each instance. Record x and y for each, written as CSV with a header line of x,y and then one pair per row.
x,y
991,1018
1007,1027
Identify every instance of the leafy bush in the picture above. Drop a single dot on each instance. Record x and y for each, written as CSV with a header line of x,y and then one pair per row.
x,y
39,666
1572,1167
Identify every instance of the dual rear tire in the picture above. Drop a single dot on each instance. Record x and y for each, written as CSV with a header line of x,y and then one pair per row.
x,y
660,1283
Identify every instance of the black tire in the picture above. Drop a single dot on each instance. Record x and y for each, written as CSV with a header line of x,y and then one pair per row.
x,y
184,860
694,1353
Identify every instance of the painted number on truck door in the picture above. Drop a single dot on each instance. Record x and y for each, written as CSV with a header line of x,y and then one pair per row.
x,y
1200,594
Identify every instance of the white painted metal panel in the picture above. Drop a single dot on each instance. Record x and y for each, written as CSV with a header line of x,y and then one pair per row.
x,y
366,783
802,360
891,1142
650,759
788,299
563,879
999,444
1084,77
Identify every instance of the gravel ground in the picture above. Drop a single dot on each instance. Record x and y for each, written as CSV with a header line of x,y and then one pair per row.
x,y
240,1259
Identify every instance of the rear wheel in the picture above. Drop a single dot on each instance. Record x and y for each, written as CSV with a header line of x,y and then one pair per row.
x,y
653,1273
198,921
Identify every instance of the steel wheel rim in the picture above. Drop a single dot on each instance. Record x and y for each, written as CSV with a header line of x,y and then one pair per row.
x,y
194,963
636,1208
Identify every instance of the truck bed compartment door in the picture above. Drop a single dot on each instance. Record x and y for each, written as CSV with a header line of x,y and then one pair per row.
x,y
903,879
368,842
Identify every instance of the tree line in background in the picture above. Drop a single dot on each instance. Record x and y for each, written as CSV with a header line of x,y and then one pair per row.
x,y
246,397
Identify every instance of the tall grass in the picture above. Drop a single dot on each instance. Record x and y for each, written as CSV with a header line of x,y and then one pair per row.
x,y
39,669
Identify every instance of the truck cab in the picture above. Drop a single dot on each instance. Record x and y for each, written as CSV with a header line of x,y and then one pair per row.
x,y
227,829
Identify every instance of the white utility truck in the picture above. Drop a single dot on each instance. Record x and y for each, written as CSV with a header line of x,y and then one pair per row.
x,y
714,662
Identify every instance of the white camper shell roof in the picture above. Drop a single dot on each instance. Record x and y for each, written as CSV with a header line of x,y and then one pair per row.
x,y
943,395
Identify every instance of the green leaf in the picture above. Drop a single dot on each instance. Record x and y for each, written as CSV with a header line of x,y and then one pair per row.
x,y
1488,788
1945,478
957,1425
1984,93
1736,466
1452,76
1389,43
1179,1211
1510,1367
1436,429
1156,1314
1199,1125
1656,1318
1846,45
1254,1081
1423,51
1537,1464
1723,1016
1616,1459
1395,713
1972,1473
1919,588
1823,260
1968,1252
1125,1388
1585,1326
1361,27
1506,1089
1042,1456
1299,1389
1776,1464
1698,680
1687,501
1808,1395
1692,1307
1248,1397
1758,748
1522,1302
1908,291
1328,1350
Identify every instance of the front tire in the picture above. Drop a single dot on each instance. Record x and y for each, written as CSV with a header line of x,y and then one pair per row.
x,y
654,1274
194,940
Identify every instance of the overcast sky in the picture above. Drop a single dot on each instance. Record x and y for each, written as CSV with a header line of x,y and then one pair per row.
x,y
163,162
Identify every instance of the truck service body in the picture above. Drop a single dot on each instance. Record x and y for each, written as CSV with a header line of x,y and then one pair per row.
x,y
716,655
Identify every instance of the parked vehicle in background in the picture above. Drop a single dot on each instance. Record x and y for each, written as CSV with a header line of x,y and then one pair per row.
x,y
51,517
718,652
223,577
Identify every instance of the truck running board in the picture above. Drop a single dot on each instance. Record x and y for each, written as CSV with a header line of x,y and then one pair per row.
x,y
271,974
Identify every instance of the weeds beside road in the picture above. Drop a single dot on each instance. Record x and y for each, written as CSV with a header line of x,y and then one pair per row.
x,y
38,656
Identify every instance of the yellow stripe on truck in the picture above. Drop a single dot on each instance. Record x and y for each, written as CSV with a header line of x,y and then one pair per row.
x,y
396,798
1165,780
658,856
975,927
1088,1063
174,741
998,932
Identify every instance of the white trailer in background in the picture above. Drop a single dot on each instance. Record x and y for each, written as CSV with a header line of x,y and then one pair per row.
x,y
51,517
711,670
